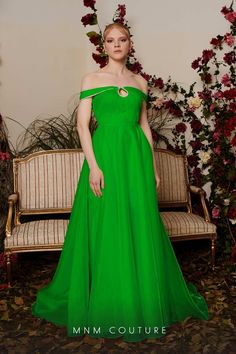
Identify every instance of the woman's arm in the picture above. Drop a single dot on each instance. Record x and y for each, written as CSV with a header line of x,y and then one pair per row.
x,y
96,177
143,122
83,119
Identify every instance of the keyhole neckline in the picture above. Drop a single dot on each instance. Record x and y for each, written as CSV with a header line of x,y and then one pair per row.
x,y
120,88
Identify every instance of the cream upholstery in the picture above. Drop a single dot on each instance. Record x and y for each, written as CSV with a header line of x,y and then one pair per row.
x,y
173,173
180,224
48,181
46,233
45,183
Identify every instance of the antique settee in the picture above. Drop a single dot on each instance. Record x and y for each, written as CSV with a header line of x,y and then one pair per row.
x,y
45,183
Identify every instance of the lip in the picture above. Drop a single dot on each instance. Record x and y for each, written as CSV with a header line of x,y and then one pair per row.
x,y
117,51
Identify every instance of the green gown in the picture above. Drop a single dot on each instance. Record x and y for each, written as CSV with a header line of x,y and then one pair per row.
x,y
117,274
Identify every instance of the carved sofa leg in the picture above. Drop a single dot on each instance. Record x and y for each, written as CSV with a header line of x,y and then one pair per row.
x,y
213,252
9,275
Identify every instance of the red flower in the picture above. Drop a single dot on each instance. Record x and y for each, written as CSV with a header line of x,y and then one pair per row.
x,y
196,144
99,59
207,55
180,127
217,150
122,10
89,19
230,94
231,16
197,175
232,213
216,41
205,94
212,107
226,80
136,67
229,39
173,108
206,77
232,107
155,135
4,156
196,126
159,83
120,20
229,58
230,125
146,76
218,95
99,49
95,39
90,3
195,63
225,10
192,160
131,52
215,212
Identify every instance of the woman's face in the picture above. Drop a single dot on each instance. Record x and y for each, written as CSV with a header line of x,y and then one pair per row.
x,y
117,44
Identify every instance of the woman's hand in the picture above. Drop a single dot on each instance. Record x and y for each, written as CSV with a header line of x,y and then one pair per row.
x,y
157,178
96,179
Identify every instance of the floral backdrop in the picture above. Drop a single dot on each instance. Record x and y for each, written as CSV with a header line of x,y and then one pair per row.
x,y
209,115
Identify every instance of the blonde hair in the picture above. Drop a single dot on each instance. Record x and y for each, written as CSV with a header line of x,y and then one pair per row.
x,y
118,25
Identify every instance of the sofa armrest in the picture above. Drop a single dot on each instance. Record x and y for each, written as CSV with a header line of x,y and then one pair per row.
x,y
200,191
13,197
12,200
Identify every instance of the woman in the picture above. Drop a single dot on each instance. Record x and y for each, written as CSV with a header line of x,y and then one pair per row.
x,y
117,275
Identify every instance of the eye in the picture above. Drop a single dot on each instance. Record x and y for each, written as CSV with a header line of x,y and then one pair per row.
x,y
124,39
109,40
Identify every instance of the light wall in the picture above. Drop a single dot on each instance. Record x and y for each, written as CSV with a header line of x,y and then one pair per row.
x,y
44,49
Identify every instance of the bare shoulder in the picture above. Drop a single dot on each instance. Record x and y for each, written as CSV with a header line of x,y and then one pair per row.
x,y
88,80
142,82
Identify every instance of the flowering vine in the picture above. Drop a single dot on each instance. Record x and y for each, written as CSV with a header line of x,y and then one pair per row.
x,y
210,116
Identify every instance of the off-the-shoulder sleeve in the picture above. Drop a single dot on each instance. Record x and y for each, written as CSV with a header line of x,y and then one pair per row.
x,y
86,93
92,92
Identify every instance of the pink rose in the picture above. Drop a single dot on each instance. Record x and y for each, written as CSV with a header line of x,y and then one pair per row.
x,y
231,16
226,80
229,39
218,94
215,212
4,156
212,107
159,102
217,150
216,135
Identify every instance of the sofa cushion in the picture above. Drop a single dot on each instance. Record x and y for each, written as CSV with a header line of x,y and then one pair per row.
x,y
180,223
40,233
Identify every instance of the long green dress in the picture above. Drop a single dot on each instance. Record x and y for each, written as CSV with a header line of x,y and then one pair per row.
x,y
118,274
